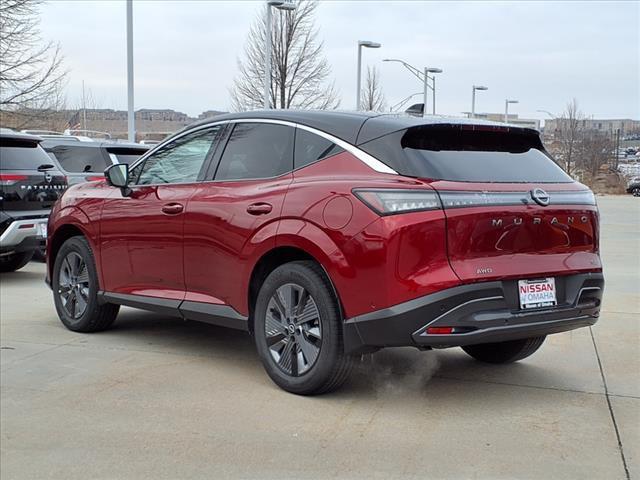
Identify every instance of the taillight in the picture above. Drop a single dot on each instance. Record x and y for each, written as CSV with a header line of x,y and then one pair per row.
x,y
10,179
391,202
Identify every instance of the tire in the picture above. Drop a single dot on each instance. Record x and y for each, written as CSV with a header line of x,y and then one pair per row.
x,y
636,192
74,283
305,356
505,352
15,261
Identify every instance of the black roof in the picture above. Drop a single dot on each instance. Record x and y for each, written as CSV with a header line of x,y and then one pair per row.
x,y
352,127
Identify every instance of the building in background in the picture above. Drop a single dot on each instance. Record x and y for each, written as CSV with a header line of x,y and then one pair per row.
x,y
513,119
609,126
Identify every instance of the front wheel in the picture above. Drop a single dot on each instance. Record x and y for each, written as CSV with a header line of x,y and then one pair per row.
x,y
505,352
75,289
298,330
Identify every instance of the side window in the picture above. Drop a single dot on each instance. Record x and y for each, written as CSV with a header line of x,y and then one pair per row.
x,y
81,158
257,150
179,161
310,148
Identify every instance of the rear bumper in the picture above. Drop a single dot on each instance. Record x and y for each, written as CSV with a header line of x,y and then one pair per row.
x,y
23,235
479,313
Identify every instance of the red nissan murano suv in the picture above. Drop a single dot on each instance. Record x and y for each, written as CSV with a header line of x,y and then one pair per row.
x,y
327,235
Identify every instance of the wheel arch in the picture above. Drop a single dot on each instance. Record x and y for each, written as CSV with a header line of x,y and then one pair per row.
x,y
274,258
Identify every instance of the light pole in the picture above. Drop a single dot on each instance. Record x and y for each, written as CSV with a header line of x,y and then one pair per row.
x,y
280,5
366,44
433,89
424,78
506,109
473,98
131,127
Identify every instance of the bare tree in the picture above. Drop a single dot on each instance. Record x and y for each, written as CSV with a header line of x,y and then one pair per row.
x,y
299,73
31,71
372,98
569,133
593,151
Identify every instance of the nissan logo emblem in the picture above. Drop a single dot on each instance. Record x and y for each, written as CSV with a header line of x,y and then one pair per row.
x,y
540,197
48,177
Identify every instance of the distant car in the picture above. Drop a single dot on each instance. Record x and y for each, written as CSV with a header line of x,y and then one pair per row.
x,y
634,187
86,161
30,183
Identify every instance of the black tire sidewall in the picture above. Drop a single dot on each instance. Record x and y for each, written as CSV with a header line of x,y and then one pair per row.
x,y
80,246
331,346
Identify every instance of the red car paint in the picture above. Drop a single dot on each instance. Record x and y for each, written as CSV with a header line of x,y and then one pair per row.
x,y
206,250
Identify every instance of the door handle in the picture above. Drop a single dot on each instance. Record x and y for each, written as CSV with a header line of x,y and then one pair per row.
x,y
259,208
172,208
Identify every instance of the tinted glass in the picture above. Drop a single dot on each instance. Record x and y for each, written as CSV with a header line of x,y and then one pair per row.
x,y
179,161
310,148
467,154
74,158
27,157
257,150
126,155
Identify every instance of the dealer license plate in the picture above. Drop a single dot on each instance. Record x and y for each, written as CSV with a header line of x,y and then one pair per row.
x,y
537,293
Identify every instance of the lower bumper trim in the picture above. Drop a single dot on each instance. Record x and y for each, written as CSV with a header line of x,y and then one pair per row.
x,y
484,312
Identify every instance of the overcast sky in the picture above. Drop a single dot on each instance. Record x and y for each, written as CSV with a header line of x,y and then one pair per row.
x,y
541,53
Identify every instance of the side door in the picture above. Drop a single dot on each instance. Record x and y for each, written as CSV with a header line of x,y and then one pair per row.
x,y
228,216
141,236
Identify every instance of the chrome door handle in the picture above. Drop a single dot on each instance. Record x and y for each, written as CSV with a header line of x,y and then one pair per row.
x,y
260,208
172,208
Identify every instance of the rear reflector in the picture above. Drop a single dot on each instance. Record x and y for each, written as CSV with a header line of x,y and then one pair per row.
x,y
95,179
440,330
27,225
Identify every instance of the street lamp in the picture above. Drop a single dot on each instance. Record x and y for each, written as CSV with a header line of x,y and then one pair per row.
x,y
365,44
424,78
131,127
506,109
473,98
433,89
280,5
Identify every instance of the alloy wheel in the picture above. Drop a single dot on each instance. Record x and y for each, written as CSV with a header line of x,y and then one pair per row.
x,y
73,285
293,329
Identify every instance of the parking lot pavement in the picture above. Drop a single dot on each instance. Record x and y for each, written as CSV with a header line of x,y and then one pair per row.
x,y
155,397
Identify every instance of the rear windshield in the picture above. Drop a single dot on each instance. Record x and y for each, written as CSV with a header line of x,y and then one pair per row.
x,y
17,155
76,159
467,153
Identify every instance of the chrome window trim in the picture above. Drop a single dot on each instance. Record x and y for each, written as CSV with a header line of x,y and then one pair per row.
x,y
364,157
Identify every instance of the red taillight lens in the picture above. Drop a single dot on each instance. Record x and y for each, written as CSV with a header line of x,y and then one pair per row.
x,y
391,202
95,179
439,330
10,179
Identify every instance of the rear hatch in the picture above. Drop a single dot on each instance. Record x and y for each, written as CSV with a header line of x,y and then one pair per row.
x,y
511,212
29,181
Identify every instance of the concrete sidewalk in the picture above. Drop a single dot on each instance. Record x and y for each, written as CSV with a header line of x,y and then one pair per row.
x,y
159,398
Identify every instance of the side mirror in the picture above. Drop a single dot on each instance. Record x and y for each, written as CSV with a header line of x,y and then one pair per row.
x,y
118,176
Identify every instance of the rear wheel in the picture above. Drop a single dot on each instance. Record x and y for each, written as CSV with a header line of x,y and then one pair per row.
x,y
505,352
75,289
636,191
15,261
298,330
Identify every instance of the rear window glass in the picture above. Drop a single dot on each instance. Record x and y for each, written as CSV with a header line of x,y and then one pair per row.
x,y
310,148
467,153
127,155
76,159
21,155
